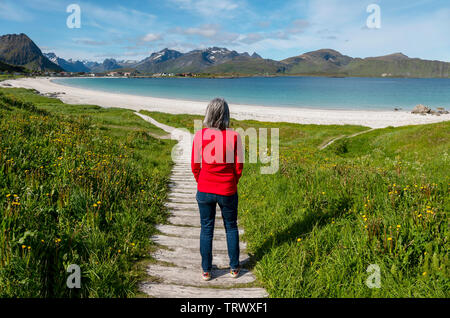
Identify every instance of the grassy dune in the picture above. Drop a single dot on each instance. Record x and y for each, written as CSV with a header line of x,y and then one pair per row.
x,y
378,198
78,185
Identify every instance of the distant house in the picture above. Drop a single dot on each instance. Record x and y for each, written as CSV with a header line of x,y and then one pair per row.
x,y
186,75
127,74
112,74
163,75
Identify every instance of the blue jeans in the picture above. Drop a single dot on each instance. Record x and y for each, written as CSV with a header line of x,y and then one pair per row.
x,y
207,206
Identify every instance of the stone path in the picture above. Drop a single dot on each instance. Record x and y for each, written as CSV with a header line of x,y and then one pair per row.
x,y
177,273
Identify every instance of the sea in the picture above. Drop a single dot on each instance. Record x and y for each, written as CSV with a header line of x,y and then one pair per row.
x,y
348,93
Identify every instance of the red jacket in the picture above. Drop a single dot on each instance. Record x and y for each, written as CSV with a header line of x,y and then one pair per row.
x,y
217,161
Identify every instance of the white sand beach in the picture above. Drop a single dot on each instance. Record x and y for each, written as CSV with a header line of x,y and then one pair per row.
x,y
373,119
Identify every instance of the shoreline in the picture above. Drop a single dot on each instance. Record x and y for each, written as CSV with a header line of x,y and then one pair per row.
x,y
368,118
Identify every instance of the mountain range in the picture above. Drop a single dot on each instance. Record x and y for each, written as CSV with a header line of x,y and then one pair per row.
x,y
19,50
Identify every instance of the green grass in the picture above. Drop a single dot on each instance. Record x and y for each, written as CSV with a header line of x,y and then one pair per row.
x,y
313,228
4,77
78,185
378,198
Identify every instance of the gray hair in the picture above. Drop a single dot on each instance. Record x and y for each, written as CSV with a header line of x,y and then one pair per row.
x,y
217,114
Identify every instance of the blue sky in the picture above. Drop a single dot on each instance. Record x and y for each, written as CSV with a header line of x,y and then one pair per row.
x,y
276,29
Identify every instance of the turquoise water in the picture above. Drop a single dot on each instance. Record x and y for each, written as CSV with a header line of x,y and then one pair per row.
x,y
308,92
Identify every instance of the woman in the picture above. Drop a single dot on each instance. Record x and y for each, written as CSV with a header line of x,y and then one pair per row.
x,y
217,167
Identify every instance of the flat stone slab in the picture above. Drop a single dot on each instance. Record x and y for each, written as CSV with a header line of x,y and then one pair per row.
x,y
183,179
192,221
184,182
183,175
179,291
182,257
182,200
183,192
192,206
189,277
183,186
188,195
190,232
190,214
219,244
180,220
187,188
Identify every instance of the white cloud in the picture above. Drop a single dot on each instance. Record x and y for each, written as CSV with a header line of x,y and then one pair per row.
x,y
151,37
202,31
213,34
